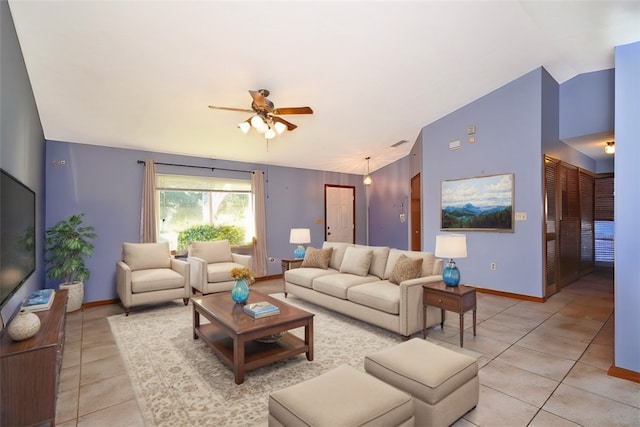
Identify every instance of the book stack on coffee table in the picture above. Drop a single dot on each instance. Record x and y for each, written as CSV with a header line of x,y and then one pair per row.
x,y
261,309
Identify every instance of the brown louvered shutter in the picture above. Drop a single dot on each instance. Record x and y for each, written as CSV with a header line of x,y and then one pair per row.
x,y
587,261
604,199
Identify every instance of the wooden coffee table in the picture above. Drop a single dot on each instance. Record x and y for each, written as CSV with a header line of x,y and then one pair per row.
x,y
231,332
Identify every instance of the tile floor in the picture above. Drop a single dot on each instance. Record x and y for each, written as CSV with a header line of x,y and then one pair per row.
x,y
541,364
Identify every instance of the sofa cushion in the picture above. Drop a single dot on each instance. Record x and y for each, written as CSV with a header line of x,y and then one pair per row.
x,y
428,262
155,279
381,295
356,261
337,284
405,268
144,256
305,276
379,258
337,255
316,258
211,251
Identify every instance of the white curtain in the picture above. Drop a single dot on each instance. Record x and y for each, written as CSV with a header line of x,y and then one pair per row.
x,y
260,239
148,230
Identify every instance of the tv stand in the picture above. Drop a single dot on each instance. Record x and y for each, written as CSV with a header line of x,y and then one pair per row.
x,y
30,370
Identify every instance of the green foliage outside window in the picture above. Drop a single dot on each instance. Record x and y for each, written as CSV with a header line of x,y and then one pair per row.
x,y
204,233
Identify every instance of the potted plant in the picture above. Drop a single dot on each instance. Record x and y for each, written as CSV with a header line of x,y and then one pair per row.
x,y
68,243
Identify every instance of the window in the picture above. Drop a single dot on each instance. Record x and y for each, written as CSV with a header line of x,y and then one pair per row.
x,y
604,242
188,201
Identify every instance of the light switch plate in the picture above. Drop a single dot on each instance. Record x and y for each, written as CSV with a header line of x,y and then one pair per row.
x,y
521,216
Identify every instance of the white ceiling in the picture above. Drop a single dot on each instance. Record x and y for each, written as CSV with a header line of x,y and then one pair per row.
x,y
140,74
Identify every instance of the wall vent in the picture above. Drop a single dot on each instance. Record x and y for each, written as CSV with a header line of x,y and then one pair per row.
x,y
399,143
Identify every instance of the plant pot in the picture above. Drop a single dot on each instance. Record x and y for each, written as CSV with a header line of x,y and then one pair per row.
x,y
75,296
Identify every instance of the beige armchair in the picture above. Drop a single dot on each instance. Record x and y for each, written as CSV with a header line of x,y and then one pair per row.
x,y
211,262
147,274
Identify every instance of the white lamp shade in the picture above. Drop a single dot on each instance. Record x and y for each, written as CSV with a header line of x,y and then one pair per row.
x,y
300,236
280,127
270,134
257,122
451,246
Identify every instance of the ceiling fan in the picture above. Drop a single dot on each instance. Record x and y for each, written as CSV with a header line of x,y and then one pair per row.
x,y
266,117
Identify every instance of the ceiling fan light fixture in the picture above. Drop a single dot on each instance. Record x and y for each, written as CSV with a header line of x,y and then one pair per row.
x,y
280,127
244,127
270,133
257,122
610,148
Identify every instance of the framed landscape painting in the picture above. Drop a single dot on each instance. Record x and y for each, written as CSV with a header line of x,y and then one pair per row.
x,y
482,203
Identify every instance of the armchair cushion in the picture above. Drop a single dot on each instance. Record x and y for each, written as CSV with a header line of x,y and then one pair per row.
x,y
212,251
155,279
144,256
220,272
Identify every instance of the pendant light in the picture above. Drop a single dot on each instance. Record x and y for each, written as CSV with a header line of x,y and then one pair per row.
x,y
367,178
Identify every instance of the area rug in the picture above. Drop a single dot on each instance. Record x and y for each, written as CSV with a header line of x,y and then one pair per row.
x,y
180,381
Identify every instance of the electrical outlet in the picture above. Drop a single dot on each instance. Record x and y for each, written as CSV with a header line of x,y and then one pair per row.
x,y
493,266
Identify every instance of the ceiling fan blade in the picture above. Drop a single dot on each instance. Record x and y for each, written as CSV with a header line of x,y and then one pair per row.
x,y
289,125
293,110
244,110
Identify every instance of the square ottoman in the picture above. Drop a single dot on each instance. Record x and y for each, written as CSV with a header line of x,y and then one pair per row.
x,y
443,383
343,397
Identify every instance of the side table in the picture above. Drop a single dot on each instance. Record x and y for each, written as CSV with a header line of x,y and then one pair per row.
x,y
459,298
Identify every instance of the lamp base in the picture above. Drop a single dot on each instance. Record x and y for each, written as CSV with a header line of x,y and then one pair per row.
x,y
299,252
451,274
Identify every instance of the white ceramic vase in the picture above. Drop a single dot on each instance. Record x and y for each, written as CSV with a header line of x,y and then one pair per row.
x,y
75,296
25,325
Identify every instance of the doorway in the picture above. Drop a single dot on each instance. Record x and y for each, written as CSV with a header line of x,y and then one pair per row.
x,y
339,209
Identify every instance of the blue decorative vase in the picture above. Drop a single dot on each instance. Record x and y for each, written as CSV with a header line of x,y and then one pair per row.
x,y
299,252
451,274
240,291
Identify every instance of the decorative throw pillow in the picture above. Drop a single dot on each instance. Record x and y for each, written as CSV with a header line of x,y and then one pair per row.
x,y
356,261
316,258
405,269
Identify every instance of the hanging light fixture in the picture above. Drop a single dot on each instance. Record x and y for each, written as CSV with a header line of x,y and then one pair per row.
x,y
264,125
367,178
610,148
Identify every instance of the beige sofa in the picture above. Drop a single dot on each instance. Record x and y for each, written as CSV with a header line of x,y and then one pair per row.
x,y
147,274
211,263
378,285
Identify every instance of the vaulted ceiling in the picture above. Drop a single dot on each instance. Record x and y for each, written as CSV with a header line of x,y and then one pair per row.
x,y
141,74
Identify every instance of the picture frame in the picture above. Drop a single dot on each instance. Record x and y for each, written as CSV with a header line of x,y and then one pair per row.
x,y
482,203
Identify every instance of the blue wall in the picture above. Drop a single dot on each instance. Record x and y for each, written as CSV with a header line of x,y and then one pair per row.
x,y
507,140
388,198
106,185
21,142
627,204
586,104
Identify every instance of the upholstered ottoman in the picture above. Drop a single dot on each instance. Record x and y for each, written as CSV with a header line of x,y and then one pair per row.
x,y
343,397
443,383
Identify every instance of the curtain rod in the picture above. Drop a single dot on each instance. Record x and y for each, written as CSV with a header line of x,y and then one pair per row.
x,y
142,162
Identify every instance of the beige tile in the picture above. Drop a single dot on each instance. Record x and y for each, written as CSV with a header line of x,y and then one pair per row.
x,y
590,409
105,393
69,378
67,405
594,380
577,329
552,367
102,369
499,331
519,383
487,346
522,319
99,351
546,419
98,337
122,414
498,409
70,358
599,356
547,342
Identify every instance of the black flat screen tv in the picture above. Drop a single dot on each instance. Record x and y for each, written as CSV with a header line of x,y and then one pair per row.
x,y
17,235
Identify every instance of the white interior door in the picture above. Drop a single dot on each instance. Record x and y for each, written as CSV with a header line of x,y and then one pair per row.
x,y
339,213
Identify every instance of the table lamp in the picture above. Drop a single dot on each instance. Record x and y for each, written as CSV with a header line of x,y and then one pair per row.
x,y
451,246
299,236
